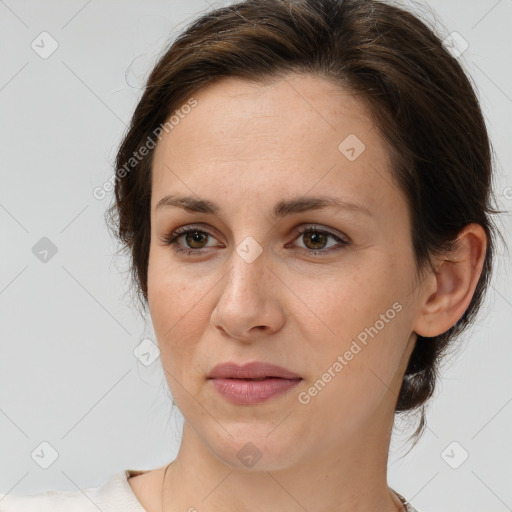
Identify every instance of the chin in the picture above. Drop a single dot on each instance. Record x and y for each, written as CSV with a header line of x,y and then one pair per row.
x,y
256,450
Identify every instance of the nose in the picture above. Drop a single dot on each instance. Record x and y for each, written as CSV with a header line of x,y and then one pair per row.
x,y
250,300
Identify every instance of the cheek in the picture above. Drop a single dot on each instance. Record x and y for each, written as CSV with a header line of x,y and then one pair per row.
x,y
177,305
171,292
167,303
371,337
349,378
362,318
345,301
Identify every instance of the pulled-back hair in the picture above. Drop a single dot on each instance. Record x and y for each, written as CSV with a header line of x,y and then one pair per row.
x,y
421,100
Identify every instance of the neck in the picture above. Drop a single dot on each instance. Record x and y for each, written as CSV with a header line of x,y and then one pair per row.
x,y
349,477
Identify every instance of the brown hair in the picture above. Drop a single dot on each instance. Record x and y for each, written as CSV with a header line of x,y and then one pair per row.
x,y
418,93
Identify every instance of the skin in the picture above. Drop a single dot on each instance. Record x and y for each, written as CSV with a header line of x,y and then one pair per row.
x,y
246,147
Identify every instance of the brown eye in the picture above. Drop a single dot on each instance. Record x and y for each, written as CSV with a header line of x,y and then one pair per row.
x,y
196,242
189,241
315,240
195,239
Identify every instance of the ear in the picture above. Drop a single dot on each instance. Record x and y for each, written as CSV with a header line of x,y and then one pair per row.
x,y
456,276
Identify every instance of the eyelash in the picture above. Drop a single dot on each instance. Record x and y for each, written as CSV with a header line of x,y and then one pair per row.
x,y
172,239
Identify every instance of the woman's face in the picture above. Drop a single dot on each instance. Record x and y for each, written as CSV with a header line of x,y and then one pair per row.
x,y
336,306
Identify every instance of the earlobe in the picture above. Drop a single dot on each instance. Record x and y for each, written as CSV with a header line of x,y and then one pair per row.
x,y
455,281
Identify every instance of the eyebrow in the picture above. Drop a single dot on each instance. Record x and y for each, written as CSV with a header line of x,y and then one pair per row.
x,y
281,209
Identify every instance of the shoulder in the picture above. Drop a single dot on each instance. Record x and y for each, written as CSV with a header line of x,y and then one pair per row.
x,y
115,495
49,501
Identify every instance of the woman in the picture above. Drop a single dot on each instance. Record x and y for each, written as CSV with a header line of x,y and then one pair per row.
x,y
305,194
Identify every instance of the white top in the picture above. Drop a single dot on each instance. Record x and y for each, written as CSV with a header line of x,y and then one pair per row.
x,y
115,495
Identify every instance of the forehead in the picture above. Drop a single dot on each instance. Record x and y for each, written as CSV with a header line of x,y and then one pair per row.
x,y
296,107
296,133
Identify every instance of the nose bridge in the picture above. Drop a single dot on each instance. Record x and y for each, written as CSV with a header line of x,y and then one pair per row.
x,y
246,299
247,277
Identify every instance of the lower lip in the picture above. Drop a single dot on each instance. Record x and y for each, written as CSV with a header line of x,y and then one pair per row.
x,y
239,391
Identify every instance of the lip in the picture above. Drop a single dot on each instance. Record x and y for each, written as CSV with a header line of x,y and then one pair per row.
x,y
230,380
253,370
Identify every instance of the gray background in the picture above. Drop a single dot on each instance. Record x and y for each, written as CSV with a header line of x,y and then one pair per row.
x,y
71,385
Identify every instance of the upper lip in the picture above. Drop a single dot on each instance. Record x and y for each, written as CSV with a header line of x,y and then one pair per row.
x,y
253,370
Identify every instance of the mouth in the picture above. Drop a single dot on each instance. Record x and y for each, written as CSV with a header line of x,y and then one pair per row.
x,y
252,383
252,391
263,378
254,371
259,378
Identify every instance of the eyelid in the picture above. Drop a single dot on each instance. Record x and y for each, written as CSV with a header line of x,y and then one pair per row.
x,y
192,227
342,239
304,228
172,237
299,230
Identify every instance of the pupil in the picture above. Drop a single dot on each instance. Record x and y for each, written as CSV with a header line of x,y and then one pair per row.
x,y
194,237
317,239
